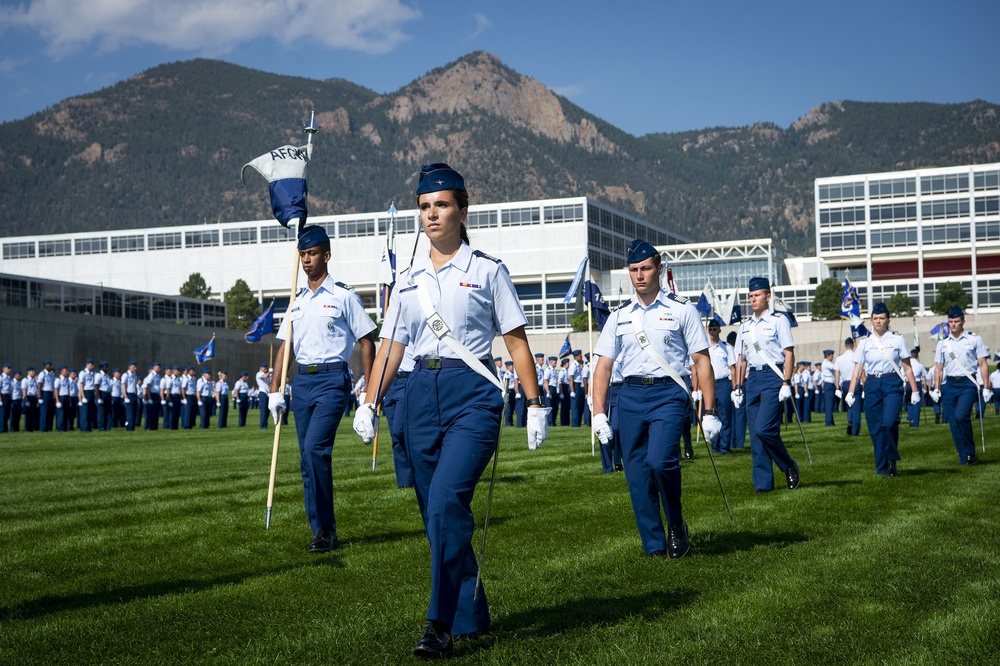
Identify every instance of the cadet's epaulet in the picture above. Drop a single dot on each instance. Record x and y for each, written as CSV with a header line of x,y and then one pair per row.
x,y
621,305
680,299
480,253
302,292
344,286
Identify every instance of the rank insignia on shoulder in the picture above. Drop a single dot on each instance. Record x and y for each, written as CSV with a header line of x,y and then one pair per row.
x,y
480,253
679,299
344,286
406,289
621,305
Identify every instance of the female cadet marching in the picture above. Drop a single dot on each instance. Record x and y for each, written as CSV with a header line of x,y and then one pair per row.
x,y
448,308
885,359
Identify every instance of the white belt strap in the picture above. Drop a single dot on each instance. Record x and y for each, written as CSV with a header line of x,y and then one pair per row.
x,y
958,362
760,351
895,366
643,340
440,329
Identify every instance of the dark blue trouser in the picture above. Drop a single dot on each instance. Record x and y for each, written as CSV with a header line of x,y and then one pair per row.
x,y
452,419
153,413
5,412
262,403
854,411
394,419
651,420
804,401
176,410
132,408
958,395
579,404
611,453
883,402
47,406
724,408
88,412
511,404
764,420
318,401
244,409
828,397
738,432
222,420
205,411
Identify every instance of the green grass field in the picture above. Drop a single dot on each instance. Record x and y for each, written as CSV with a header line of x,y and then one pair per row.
x,y
150,548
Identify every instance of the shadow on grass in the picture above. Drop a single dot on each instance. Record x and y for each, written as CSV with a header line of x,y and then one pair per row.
x,y
120,596
544,622
724,543
837,482
923,471
386,537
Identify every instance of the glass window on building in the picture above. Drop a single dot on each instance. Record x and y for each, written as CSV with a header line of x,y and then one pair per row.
x,y
19,250
241,236
164,309
892,187
984,206
842,192
136,307
190,312
356,228
78,299
51,296
482,219
944,183
405,224
565,213
945,233
534,314
55,248
987,180
894,237
836,217
531,290
275,233
14,292
890,213
560,314
135,243
214,315
109,304
91,245
206,238
988,231
516,217
944,209
165,241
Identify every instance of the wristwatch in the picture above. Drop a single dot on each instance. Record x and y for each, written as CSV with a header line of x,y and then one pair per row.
x,y
533,401
709,412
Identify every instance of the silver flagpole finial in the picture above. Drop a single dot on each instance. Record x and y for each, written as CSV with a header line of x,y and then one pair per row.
x,y
311,128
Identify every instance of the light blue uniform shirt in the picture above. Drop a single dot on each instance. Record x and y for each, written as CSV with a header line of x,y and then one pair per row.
x,y
326,324
103,381
116,388
827,369
474,295
152,382
47,379
774,335
875,362
222,388
6,384
87,378
64,385
206,387
131,382
30,386
673,327
722,356
965,351
241,387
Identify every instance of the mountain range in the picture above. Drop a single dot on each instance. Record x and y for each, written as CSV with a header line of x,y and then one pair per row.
x,y
165,147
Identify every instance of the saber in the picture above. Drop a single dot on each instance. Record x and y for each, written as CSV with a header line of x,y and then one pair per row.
x,y
982,417
798,419
489,495
708,447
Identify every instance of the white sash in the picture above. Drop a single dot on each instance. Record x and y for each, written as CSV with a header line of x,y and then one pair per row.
x,y
643,340
878,345
759,350
440,329
954,357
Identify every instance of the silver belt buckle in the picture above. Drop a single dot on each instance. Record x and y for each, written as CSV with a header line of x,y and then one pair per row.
x,y
648,380
432,363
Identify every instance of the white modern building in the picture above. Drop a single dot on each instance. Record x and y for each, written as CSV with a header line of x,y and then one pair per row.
x,y
910,231
541,242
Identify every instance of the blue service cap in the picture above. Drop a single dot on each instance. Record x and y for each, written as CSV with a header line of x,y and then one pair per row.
x,y
576,352
223,372
263,365
587,355
508,363
155,363
553,358
497,358
639,250
539,355
827,352
62,367
955,313
758,283
87,360
564,361
244,373
880,308
30,368
206,371
114,370
439,176
132,363
311,236
46,362
103,364
7,365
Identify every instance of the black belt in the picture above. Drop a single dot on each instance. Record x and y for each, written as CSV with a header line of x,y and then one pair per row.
x,y
647,380
445,363
402,374
884,375
719,379
313,368
957,378
758,368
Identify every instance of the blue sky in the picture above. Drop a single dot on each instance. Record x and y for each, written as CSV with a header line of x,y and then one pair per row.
x,y
654,66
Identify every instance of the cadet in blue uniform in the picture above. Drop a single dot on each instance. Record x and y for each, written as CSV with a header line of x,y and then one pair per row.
x,y
130,388
263,379
47,401
151,395
827,387
242,391
765,340
64,388
326,319
723,359
885,359
658,338
88,400
29,395
738,431
843,371
452,410
6,397
511,379
222,399
957,359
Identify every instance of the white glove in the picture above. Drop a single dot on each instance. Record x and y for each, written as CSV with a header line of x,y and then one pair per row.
x,y
275,404
915,398
935,395
862,395
602,428
696,395
538,426
987,394
517,396
711,426
849,399
100,402
58,405
590,401
364,422
184,401
199,403
128,401
83,401
785,393
838,393
572,394
163,402
737,398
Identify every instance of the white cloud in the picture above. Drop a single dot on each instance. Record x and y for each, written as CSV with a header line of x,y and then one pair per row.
x,y
482,24
212,26
8,65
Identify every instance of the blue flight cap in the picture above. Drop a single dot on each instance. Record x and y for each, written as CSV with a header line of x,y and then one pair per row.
x,y
553,358
87,360
955,313
827,352
244,373
206,371
497,359
156,363
758,283
6,365
311,236
62,367
439,176
103,364
639,250
576,352
223,372
539,355
880,308
565,361
114,370
263,365
587,356
848,341
46,362
132,363
508,363
30,368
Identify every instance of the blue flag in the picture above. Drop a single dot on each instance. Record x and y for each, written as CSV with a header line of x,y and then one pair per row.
x,y
859,331
782,307
940,332
571,294
565,349
850,304
206,352
263,325
592,296
285,170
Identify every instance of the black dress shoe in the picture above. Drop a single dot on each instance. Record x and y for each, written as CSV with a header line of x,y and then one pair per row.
x,y
761,491
436,642
324,542
678,543
619,468
688,454
792,474
971,460
892,469
656,554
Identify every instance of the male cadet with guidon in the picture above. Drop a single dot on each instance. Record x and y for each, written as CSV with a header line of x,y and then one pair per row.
x,y
327,318
956,360
242,391
657,337
766,361
263,379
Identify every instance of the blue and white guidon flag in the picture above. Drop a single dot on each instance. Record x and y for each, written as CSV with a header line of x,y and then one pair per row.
x,y
285,170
